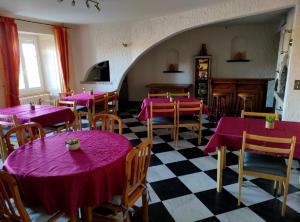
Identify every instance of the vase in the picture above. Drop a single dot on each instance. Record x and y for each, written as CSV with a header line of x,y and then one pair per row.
x,y
269,125
73,146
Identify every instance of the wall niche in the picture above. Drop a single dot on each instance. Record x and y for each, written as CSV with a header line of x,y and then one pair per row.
x,y
238,50
172,61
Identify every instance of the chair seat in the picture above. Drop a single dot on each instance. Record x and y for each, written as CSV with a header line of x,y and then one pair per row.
x,y
188,119
82,108
264,164
162,121
39,215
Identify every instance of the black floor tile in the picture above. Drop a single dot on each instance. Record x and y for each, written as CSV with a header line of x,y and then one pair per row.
x,y
155,160
126,130
159,213
191,153
133,124
183,167
210,219
271,211
231,159
218,202
167,138
135,142
141,134
207,132
161,147
194,141
229,176
170,188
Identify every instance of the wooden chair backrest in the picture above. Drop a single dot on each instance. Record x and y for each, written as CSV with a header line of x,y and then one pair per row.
x,y
11,205
194,107
187,94
8,120
70,104
112,96
167,107
25,133
255,114
158,95
249,145
108,122
99,101
64,94
3,148
137,163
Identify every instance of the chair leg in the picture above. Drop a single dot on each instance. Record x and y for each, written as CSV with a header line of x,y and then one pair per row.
x,y
199,135
240,187
279,189
145,206
193,132
177,135
285,193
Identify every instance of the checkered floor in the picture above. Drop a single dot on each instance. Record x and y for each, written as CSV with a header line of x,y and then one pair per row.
x,y
182,181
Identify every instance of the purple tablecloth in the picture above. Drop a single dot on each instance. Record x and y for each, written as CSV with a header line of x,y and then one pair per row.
x,y
145,108
45,115
229,132
58,179
83,99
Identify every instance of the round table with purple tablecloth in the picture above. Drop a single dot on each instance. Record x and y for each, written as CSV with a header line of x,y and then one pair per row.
x,y
58,179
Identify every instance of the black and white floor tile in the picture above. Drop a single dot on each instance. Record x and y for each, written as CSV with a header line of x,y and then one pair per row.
x,y
182,181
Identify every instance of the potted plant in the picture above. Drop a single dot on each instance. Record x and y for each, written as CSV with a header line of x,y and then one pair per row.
x,y
270,122
32,106
73,144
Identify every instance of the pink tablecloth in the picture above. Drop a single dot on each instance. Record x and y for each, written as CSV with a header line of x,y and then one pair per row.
x,y
83,99
43,114
59,179
229,132
145,108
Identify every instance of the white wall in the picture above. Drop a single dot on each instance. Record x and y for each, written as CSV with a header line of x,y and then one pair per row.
x,y
262,44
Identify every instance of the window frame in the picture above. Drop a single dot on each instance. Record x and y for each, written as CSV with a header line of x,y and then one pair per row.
x,y
23,38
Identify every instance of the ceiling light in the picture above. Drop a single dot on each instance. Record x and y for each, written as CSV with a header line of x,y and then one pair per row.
x,y
96,3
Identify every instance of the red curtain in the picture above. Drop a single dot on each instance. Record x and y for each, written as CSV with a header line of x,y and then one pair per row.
x,y
61,38
10,59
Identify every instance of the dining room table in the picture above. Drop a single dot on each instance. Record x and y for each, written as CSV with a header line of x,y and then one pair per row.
x,y
229,135
58,179
46,115
84,98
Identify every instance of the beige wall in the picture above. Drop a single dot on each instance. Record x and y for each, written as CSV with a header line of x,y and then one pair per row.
x,y
261,46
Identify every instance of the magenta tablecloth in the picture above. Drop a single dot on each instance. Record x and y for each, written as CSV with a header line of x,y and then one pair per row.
x,y
145,108
83,99
58,179
229,132
43,114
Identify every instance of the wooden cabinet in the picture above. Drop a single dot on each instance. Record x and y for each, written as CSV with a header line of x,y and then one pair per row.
x,y
168,87
232,87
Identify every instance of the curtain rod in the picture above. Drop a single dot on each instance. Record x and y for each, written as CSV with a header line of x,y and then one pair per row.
x,y
41,23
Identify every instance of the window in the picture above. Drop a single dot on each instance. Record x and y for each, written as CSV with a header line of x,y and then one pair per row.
x,y
31,78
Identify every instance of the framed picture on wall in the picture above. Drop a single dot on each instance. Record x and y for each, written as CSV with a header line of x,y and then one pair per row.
x,y
202,73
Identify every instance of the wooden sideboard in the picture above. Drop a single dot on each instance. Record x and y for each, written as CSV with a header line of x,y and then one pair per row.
x,y
168,87
233,87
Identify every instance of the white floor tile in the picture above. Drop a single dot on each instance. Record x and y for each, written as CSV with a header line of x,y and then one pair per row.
x,y
156,140
188,135
182,144
243,214
235,168
153,197
130,120
293,201
130,136
251,194
160,172
198,182
170,157
205,163
161,132
187,208
138,129
295,178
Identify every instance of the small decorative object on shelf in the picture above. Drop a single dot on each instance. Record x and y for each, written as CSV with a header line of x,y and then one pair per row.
x,y
32,106
270,122
73,144
203,50
91,92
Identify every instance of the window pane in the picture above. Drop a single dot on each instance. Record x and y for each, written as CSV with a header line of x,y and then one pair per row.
x,y
31,64
21,78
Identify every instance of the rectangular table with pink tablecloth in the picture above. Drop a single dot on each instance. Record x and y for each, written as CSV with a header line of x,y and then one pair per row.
x,y
45,115
84,98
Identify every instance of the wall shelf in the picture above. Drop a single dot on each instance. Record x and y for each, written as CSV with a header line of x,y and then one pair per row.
x,y
238,60
175,71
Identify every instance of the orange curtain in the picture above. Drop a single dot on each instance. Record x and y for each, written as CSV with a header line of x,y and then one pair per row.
x,y
10,59
61,38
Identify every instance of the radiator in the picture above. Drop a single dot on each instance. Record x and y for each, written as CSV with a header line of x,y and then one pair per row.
x,y
44,98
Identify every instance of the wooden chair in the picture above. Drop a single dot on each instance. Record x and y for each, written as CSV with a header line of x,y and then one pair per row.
x,y
255,114
99,105
168,122
8,120
65,94
25,133
112,102
187,95
189,114
137,163
158,95
12,207
73,106
270,167
108,122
